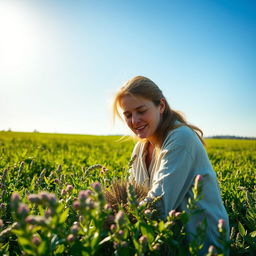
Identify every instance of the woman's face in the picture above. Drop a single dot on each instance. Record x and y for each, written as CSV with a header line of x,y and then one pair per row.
x,y
141,115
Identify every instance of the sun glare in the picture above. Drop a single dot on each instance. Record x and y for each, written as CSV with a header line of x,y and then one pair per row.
x,y
19,44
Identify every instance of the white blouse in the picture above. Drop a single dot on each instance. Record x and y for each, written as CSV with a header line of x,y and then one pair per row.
x,y
171,175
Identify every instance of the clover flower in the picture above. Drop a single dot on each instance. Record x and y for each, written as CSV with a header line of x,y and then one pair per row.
x,y
198,179
34,198
221,225
96,186
172,213
157,247
36,220
84,194
36,240
70,238
63,192
178,214
69,188
143,240
113,227
23,210
75,228
15,199
148,213
76,204
57,181
211,249
119,219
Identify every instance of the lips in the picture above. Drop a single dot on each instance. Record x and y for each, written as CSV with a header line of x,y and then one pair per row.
x,y
140,128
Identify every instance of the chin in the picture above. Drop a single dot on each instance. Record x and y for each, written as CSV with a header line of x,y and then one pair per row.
x,y
142,136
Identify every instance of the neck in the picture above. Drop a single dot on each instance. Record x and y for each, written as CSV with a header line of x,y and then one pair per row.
x,y
153,142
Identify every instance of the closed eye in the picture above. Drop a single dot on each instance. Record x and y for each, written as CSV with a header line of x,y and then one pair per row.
x,y
142,111
127,115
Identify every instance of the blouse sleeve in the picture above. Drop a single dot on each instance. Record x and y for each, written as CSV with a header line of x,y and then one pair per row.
x,y
174,176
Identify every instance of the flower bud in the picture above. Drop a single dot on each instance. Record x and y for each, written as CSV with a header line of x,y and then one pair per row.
x,y
43,195
23,210
90,203
84,194
221,224
157,247
36,220
76,204
31,220
107,207
143,240
211,249
112,227
34,198
2,206
52,199
15,199
36,240
148,213
57,181
178,214
70,238
198,179
63,192
121,233
96,186
172,213
119,219
74,228
69,188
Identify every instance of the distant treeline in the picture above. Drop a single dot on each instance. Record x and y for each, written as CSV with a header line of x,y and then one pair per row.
x,y
231,137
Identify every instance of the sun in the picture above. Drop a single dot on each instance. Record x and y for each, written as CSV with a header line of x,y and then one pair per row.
x,y
19,44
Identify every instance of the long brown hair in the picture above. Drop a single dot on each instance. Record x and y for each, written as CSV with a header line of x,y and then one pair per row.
x,y
146,88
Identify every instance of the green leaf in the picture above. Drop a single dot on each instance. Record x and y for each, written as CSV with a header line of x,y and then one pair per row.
x,y
147,230
241,229
253,234
46,180
161,226
60,249
136,244
18,232
95,239
42,249
64,216
23,241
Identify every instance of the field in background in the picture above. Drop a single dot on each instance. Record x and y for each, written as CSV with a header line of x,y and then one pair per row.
x,y
233,160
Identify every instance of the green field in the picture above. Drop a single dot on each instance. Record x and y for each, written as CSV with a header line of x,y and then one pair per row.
x,y
34,162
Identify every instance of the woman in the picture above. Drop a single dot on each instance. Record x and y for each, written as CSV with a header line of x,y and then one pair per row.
x,y
170,154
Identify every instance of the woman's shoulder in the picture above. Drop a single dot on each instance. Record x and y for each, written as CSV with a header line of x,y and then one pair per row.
x,y
182,135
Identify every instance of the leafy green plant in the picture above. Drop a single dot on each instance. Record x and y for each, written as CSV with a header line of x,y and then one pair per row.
x,y
36,165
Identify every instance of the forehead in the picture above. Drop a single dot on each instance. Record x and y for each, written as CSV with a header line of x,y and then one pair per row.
x,y
131,102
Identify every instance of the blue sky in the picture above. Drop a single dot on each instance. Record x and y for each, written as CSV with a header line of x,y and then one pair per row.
x,y
61,62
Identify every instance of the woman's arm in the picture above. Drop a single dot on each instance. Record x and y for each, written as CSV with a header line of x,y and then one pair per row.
x,y
175,174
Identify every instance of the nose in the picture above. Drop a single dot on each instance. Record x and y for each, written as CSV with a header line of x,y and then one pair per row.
x,y
135,120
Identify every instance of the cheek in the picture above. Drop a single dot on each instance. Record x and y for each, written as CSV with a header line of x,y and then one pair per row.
x,y
128,122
